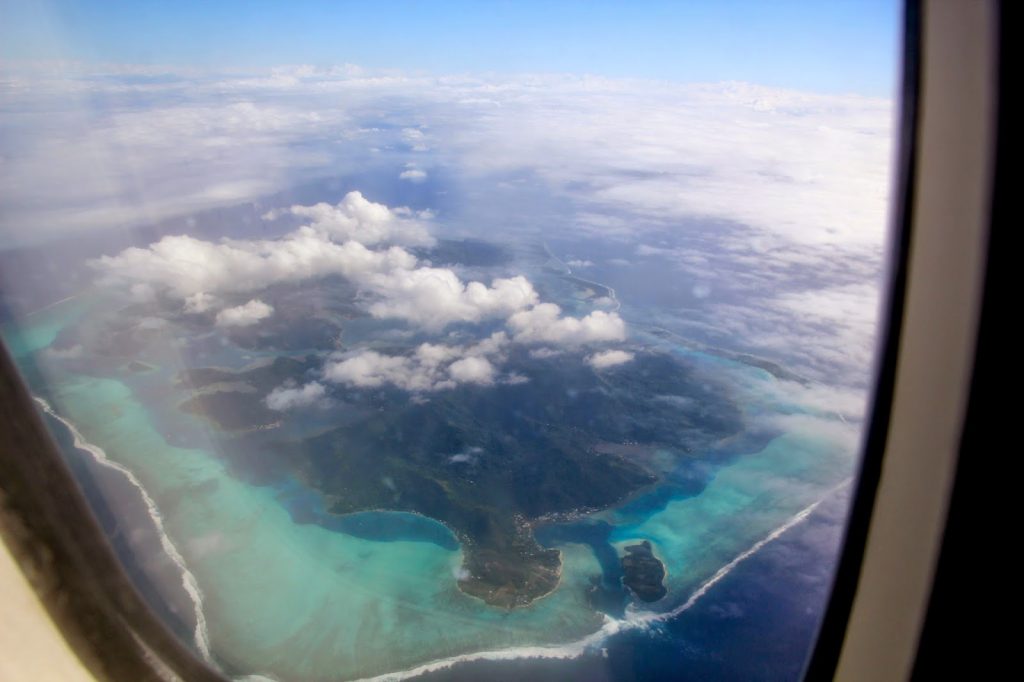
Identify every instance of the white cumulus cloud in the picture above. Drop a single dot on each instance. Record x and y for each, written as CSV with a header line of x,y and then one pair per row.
x,y
472,370
609,358
431,367
544,324
436,297
244,315
413,175
199,302
187,266
416,139
285,398
367,222
394,284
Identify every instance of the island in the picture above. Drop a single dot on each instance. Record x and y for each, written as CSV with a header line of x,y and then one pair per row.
x,y
489,462
643,573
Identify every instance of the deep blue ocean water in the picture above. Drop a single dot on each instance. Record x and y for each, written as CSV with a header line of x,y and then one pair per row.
x,y
757,623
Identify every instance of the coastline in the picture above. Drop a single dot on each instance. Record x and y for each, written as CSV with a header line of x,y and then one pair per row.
x,y
634,620
571,275
188,580
54,304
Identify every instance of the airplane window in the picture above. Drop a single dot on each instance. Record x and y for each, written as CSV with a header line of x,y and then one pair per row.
x,y
453,340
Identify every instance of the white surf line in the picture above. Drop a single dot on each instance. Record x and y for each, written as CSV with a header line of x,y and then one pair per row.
x,y
54,304
188,580
569,272
753,549
633,621
552,256
611,291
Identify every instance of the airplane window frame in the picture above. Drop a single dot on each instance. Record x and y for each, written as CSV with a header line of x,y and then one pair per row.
x,y
831,633
952,134
48,525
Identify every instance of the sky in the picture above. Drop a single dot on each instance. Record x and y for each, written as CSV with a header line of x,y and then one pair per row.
x,y
831,46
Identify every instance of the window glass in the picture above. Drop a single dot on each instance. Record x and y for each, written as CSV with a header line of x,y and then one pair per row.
x,y
456,339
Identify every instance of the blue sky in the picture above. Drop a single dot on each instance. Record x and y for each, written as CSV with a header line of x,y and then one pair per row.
x,y
823,46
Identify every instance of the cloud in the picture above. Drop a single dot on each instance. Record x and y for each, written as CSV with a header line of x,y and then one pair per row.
x,y
194,270
413,175
431,367
236,148
435,297
473,370
199,302
393,284
609,358
494,344
826,333
847,404
187,266
813,171
833,431
648,250
244,315
416,139
151,323
544,324
811,167
142,292
367,222
285,398
435,367
370,369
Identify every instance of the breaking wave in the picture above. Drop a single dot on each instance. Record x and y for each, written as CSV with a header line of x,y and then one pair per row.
x,y
634,619
188,580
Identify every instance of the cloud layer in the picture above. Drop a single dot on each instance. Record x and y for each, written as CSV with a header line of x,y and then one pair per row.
x,y
199,271
186,266
394,285
780,182
811,168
